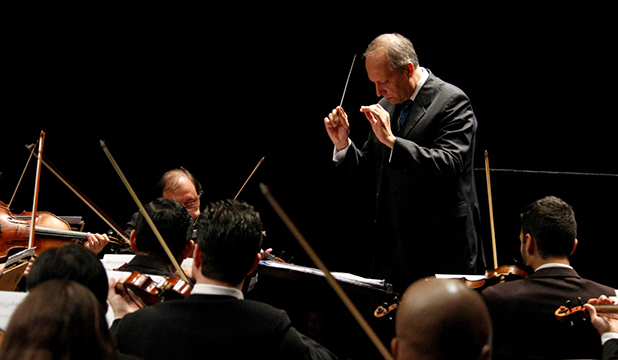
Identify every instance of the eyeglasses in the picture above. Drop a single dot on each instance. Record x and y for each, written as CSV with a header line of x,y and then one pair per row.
x,y
192,205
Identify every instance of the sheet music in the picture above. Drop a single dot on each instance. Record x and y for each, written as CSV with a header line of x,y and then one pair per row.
x,y
9,301
346,277
16,257
114,261
459,276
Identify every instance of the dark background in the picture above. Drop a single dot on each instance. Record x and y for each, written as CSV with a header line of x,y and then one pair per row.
x,y
216,88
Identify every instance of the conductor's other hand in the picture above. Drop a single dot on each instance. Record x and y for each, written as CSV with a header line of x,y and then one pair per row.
x,y
338,128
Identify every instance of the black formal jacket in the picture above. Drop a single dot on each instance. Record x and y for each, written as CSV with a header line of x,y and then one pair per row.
x,y
427,217
525,326
213,327
610,350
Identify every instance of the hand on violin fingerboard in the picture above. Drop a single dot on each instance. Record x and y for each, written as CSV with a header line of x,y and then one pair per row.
x,y
602,321
121,304
96,242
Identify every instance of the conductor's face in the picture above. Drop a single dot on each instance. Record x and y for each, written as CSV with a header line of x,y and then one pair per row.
x,y
394,86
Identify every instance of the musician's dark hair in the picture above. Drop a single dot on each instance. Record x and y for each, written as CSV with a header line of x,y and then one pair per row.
x,y
229,234
551,221
70,262
170,181
58,319
174,223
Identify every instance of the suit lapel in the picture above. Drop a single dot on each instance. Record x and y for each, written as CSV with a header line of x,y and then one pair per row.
x,y
419,106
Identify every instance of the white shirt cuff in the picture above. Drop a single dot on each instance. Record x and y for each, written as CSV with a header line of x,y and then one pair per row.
x,y
338,156
608,336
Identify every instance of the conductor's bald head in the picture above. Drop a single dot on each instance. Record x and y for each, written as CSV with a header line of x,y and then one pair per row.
x,y
440,320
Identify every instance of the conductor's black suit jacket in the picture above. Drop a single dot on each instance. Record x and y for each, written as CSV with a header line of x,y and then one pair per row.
x,y
525,326
213,327
426,208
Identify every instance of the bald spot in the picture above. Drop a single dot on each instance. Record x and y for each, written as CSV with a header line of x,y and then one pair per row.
x,y
443,319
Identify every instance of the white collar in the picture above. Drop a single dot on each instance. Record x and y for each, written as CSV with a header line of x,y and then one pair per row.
x,y
551,265
421,82
207,289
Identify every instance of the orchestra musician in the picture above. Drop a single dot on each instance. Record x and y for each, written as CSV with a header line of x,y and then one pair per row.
x,y
215,321
174,222
418,164
442,319
71,262
59,319
180,185
522,311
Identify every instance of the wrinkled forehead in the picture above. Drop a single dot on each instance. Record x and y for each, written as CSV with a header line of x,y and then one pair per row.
x,y
378,68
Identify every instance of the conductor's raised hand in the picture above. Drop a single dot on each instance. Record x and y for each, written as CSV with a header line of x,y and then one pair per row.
x,y
380,123
338,128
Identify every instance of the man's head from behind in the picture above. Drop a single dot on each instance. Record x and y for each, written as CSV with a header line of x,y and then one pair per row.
x,y
229,237
173,222
442,320
551,223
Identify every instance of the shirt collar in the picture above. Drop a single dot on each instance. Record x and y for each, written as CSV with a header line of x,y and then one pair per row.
x,y
207,289
421,82
551,265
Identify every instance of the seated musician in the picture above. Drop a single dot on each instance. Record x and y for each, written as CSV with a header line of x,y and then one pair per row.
x,y
215,321
180,185
70,262
59,319
441,319
607,325
174,223
522,311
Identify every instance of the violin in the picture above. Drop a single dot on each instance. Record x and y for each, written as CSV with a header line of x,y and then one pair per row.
x,y
144,291
496,276
571,314
50,231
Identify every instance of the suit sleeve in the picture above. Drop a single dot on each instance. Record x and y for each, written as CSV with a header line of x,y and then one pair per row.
x,y
610,350
295,345
445,156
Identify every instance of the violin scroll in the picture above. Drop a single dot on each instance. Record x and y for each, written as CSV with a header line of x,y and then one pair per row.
x,y
384,309
574,314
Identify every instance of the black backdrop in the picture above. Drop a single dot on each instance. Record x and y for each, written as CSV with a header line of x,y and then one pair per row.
x,y
215,88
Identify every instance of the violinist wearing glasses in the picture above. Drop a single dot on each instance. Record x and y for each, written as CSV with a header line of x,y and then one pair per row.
x,y
180,185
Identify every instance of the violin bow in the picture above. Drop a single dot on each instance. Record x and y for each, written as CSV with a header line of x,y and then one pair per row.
x,y
37,182
108,220
491,212
329,277
249,178
31,149
145,213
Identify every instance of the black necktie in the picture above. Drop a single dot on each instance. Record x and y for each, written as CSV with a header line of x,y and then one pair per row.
x,y
405,110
